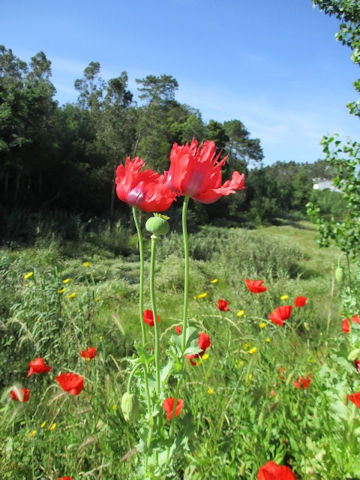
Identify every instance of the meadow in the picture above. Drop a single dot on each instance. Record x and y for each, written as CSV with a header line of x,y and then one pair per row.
x,y
262,392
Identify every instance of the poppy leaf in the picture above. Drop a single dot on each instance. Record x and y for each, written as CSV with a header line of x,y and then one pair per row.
x,y
165,371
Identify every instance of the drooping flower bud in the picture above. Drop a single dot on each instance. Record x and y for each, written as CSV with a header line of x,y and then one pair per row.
x,y
129,406
339,275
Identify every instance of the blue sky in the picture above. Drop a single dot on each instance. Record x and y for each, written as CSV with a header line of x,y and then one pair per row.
x,y
274,65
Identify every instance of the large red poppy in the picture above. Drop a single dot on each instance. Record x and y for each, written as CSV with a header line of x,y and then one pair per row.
x,y
280,314
38,366
148,317
272,471
143,189
196,172
256,286
300,301
223,305
24,395
71,382
89,353
168,406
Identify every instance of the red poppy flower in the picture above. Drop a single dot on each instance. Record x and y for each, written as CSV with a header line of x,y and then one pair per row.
x,y
256,286
204,343
346,325
223,305
169,405
24,398
272,471
66,478
178,329
38,366
357,365
89,353
302,382
70,382
143,189
300,301
356,319
280,314
196,171
148,317
355,399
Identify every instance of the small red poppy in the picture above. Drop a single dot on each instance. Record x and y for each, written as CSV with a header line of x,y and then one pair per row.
x,y
66,478
302,382
223,305
355,399
272,471
148,317
356,319
357,365
178,329
25,395
300,301
38,366
168,406
256,286
204,343
71,382
89,353
346,325
280,314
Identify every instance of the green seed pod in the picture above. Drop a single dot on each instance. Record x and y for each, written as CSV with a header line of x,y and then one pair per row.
x,y
129,406
157,226
339,275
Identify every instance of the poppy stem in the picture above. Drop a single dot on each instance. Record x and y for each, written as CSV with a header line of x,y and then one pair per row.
x,y
186,275
153,306
141,292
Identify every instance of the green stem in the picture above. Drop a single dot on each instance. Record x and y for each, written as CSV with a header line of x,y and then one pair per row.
x,y
153,305
141,293
131,376
186,275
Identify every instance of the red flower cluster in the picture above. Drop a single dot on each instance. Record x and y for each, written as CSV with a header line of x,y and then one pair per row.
x,y
256,286
89,353
148,317
143,189
204,343
38,366
280,314
24,397
272,471
223,305
168,406
346,323
70,382
196,172
303,382
300,302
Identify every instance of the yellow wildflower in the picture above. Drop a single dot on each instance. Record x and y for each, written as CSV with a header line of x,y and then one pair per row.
x,y
205,357
240,313
72,295
67,280
114,407
202,295
238,363
252,350
96,299
33,433
284,297
215,280
199,362
262,325
38,319
61,290
43,425
53,426
86,264
246,346
28,275
195,297
210,391
250,377
267,340
87,359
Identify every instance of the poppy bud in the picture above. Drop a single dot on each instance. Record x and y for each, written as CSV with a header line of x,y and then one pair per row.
x,y
157,226
339,275
129,406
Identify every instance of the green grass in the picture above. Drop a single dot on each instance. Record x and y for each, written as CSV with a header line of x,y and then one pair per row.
x,y
254,414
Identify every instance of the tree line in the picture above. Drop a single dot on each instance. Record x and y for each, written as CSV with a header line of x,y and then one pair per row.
x,y
64,156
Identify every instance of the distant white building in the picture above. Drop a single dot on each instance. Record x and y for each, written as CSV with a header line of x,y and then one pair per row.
x,y
323,184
